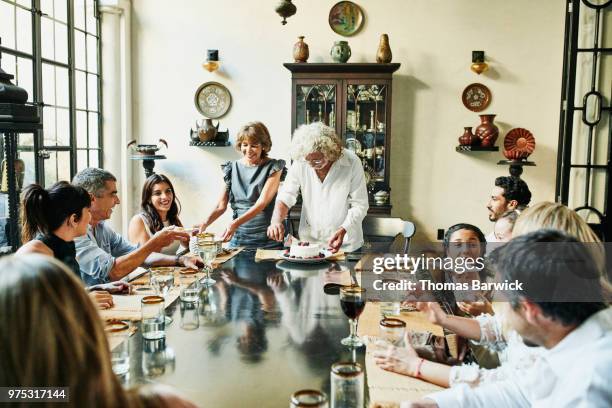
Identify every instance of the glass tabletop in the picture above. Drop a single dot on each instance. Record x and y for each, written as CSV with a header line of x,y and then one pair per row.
x,y
264,330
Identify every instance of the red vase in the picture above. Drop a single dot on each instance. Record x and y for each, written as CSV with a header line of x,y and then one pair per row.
x,y
487,132
468,138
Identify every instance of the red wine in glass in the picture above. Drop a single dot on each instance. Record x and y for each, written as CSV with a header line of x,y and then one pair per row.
x,y
352,307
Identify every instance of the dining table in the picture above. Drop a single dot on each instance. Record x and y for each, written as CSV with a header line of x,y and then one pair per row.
x,y
262,331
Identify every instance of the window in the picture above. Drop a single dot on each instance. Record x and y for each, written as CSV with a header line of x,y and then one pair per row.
x,y
53,49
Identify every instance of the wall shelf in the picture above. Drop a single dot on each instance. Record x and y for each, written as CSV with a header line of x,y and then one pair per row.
x,y
210,144
464,149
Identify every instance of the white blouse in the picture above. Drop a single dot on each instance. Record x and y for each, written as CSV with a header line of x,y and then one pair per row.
x,y
340,200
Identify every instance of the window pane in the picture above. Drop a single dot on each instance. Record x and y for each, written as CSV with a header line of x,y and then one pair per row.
x,y
48,84
81,160
25,3
80,90
63,127
29,176
24,32
24,77
91,19
46,6
49,130
9,64
61,43
57,167
61,10
26,139
51,170
92,54
62,87
47,38
79,50
7,25
93,130
93,158
63,171
81,128
79,14
92,92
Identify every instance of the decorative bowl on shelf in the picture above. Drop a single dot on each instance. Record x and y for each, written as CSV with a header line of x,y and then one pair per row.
x,y
519,143
147,149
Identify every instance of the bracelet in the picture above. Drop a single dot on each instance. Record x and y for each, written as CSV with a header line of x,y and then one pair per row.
x,y
417,374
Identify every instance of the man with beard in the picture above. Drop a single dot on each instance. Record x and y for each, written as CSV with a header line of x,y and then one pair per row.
x,y
510,193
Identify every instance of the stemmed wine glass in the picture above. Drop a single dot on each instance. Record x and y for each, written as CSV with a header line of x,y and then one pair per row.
x,y
162,281
207,251
352,301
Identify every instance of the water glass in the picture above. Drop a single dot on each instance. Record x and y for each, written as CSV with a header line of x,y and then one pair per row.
x,y
118,333
190,320
162,280
153,318
418,339
308,398
392,330
347,383
190,286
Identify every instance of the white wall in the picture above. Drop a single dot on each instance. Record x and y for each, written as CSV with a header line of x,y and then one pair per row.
x,y
432,39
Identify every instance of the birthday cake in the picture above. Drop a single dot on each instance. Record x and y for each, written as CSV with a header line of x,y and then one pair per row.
x,y
304,250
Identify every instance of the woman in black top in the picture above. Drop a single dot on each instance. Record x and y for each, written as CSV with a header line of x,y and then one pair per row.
x,y
51,220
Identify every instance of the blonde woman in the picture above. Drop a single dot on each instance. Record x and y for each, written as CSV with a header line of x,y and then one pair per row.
x,y
53,336
334,194
251,184
488,330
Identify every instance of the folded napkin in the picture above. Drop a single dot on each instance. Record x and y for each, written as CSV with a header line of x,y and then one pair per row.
x,y
275,255
127,307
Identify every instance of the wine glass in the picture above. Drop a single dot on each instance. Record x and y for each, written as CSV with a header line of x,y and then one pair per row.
x,y
162,281
207,251
352,301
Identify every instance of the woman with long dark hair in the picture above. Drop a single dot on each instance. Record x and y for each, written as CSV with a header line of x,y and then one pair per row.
x,y
160,209
51,220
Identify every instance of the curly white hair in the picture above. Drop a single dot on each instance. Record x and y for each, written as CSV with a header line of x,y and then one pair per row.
x,y
316,137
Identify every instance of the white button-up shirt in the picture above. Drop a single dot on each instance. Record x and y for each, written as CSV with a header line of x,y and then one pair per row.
x,y
575,373
340,200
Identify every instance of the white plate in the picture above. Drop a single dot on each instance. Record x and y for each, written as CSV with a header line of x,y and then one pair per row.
x,y
310,261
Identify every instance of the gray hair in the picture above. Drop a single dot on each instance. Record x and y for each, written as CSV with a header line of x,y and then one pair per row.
x,y
93,180
316,137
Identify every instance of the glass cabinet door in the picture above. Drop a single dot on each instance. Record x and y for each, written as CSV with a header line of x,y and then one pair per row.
x,y
316,103
365,127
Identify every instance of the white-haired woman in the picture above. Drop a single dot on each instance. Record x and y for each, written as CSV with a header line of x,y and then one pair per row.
x,y
334,194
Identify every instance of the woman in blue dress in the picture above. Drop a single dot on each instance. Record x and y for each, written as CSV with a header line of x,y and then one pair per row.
x,y
251,186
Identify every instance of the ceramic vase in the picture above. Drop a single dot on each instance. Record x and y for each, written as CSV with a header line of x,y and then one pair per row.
x,y
340,52
300,50
384,55
468,138
487,132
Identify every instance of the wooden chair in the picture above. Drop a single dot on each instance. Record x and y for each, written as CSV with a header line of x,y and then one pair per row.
x,y
380,233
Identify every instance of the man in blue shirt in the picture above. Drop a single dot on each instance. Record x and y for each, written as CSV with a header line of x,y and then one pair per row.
x,y
104,255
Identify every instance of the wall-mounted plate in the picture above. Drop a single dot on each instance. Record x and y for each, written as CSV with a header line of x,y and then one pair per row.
x,y
213,100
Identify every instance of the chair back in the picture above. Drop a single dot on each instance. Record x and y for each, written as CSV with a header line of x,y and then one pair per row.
x,y
381,232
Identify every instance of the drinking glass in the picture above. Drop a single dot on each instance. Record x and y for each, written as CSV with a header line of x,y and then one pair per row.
x,y
392,330
118,334
190,286
153,322
190,320
162,281
308,398
207,251
157,358
352,301
347,383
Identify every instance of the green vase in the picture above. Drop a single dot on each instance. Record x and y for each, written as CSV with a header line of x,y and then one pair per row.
x,y
340,52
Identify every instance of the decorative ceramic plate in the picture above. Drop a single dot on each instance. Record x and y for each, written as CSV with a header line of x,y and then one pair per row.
x,y
213,100
476,97
327,253
346,18
519,143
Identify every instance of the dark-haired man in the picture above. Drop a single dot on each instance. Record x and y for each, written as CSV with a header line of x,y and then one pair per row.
x,y
510,193
560,308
